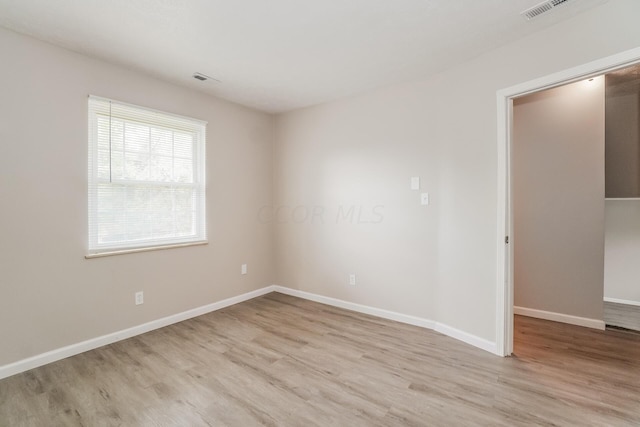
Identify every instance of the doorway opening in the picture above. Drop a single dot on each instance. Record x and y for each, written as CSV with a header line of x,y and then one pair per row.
x,y
505,253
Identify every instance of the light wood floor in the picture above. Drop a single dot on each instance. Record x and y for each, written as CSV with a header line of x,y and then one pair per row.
x,y
283,361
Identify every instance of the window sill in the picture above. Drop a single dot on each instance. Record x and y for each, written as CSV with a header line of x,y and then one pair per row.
x,y
147,249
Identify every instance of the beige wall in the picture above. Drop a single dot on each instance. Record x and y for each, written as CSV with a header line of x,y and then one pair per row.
x,y
50,296
558,199
341,158
622,250
622,217
439,261
622,135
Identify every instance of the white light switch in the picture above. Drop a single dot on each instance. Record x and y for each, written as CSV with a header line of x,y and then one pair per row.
x,y
424,198
415,182
243,269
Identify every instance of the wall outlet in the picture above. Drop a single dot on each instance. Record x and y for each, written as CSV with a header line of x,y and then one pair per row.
x,y
139,298
352,279
424,199
243,269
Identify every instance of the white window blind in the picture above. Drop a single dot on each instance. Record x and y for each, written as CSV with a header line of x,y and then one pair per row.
x,y
146,178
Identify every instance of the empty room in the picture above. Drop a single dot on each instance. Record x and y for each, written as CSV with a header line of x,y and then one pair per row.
x,y
295,213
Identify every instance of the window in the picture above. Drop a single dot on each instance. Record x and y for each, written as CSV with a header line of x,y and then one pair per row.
x,y
146,178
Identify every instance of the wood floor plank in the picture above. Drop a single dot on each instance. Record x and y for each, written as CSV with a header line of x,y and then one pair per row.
x,y
283,361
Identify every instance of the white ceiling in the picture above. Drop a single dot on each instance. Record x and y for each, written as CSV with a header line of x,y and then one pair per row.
x,y
278,55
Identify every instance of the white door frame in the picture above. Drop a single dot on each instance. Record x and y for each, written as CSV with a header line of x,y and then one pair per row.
x,y
504,290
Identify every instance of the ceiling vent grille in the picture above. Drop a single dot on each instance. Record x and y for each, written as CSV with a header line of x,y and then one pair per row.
x,y
204,77
542,8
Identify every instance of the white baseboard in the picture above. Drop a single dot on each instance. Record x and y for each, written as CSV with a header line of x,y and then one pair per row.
x,y
559,317
468,338
93,343
378,312
622,301
392,315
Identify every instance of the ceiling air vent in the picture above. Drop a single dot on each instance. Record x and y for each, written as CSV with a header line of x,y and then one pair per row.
x,y
544,7
204,77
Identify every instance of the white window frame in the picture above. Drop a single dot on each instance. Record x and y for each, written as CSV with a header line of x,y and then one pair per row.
x,y
98,106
